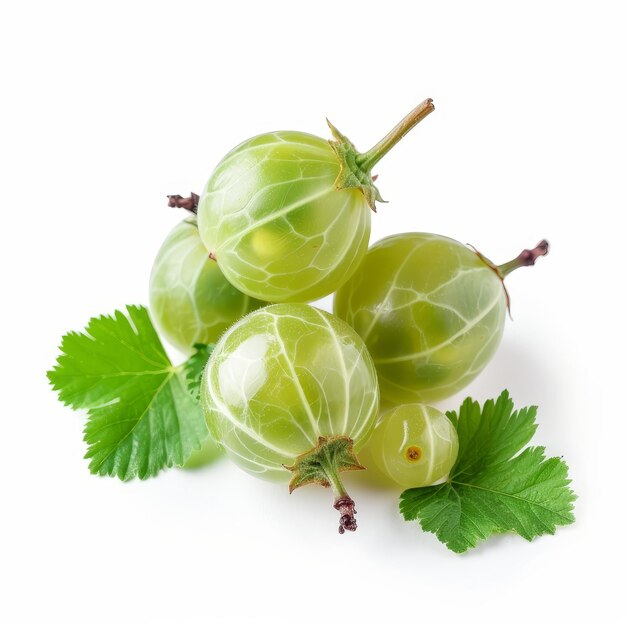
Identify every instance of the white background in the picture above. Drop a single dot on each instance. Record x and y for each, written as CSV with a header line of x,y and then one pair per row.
x,y
109,106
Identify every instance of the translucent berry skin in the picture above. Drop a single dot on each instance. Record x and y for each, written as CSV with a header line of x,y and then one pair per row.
x,y
190,299
282,377
280,229
430,311
414,445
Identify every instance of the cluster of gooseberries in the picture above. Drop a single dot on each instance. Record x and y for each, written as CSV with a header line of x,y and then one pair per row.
x,y
291,392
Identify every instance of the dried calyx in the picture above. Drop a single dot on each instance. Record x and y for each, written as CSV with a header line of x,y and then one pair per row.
x,y
322,465
356,167
179,202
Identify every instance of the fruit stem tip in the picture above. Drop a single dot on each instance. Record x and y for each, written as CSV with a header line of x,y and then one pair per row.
x,y
322,465
347,521
525,258
190,203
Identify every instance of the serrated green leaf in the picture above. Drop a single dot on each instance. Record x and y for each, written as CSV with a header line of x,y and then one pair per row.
x,y
490,435
194,367
490,490
141,416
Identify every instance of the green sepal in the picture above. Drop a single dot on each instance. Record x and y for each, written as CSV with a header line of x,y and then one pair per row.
x,y
320,465
351,174
493,267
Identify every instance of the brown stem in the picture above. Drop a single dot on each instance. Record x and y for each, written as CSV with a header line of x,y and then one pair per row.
x,y
525,258
190,204
345,506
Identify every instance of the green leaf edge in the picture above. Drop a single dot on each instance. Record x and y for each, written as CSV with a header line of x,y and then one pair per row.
x,y
194,367
52,376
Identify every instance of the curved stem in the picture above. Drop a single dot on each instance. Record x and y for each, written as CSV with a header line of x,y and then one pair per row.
x,y
322,465
190,203
525,258
343,502
367,160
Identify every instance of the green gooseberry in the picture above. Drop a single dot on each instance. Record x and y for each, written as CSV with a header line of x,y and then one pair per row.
x,y
431,312
190,299
287,214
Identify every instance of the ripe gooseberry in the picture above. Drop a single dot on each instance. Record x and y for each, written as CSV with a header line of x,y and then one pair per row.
x,y
190,300
414,445
431,312
291,390
287,214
